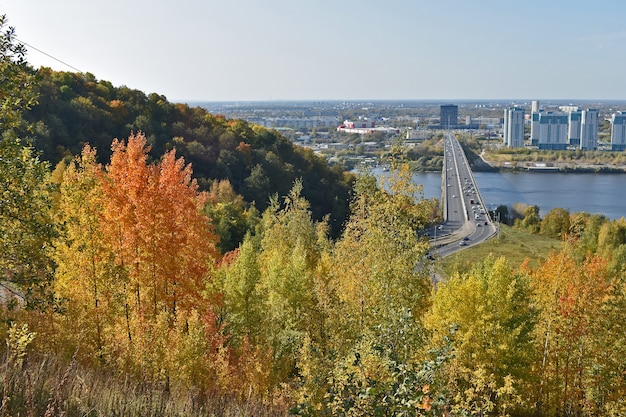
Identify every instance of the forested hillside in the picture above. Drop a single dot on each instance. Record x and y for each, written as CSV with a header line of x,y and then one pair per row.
x,y
74,109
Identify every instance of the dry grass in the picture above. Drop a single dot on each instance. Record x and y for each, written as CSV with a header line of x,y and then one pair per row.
x,y
515,245
48,388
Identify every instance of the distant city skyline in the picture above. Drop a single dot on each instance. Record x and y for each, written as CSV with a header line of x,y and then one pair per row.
x,y
245,50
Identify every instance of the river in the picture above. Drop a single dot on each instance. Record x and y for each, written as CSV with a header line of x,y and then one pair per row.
x,y
593,193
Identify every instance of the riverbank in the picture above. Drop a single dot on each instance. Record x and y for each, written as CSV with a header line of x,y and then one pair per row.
x,y
482,164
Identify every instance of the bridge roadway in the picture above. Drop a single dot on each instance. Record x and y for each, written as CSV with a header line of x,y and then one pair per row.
x,y
466,218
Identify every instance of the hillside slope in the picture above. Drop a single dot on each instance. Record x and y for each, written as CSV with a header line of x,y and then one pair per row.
x,y
75,109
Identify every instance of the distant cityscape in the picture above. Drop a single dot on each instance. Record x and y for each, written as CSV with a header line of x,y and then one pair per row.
x,y
570,127
554,125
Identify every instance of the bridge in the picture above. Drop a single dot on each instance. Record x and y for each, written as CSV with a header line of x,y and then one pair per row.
x,y
466,218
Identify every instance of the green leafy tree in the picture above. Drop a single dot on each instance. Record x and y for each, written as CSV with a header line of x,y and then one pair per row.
x,y
531,221
238,280
502,214
291,248
229,215
26,226
556,223
17,81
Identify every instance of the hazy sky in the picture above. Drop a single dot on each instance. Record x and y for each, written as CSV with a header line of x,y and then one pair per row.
x,y
191,50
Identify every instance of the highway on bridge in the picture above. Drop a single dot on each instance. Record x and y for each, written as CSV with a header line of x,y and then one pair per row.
x,y
466,219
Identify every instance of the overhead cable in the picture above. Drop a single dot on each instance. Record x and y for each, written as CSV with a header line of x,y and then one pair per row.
x,y
49,56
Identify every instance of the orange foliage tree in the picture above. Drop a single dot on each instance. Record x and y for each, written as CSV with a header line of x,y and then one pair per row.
x,y
577,340
163,244
137,262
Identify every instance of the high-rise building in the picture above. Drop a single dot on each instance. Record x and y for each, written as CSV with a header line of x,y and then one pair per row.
x,y
547,129
552,130
573,126
589,129
534,107
534,122
618,131
448,116
534,128
513,132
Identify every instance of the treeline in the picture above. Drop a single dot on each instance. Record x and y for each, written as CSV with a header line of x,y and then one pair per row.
x,y
562,156
428,156
74,109
594,233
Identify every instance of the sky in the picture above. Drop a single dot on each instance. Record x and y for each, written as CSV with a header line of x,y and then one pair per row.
x,y
240,50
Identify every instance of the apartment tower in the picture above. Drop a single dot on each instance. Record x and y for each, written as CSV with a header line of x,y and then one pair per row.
x,y
513,132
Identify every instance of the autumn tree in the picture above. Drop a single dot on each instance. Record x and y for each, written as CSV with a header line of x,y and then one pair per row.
x,y
531,220
556,223
291,248
576,338
380,274
135,258
517,211
271,289
84,277
378,288
490,308
611,236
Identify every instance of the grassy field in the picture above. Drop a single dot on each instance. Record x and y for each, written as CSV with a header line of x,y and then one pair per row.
x,y
515,245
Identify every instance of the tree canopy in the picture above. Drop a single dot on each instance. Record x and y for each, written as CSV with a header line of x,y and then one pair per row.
x,y
75,109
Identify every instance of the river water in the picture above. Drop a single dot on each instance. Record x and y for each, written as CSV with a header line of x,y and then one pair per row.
x,y
593,193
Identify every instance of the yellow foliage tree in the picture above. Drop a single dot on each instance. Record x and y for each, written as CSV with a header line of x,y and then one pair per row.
x,y
85,283
490,306
379,269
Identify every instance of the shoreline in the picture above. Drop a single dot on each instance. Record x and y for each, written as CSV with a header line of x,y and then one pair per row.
x,y
483,165
566,169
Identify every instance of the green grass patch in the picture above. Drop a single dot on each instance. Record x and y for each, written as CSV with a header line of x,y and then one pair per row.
x,y
515,245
